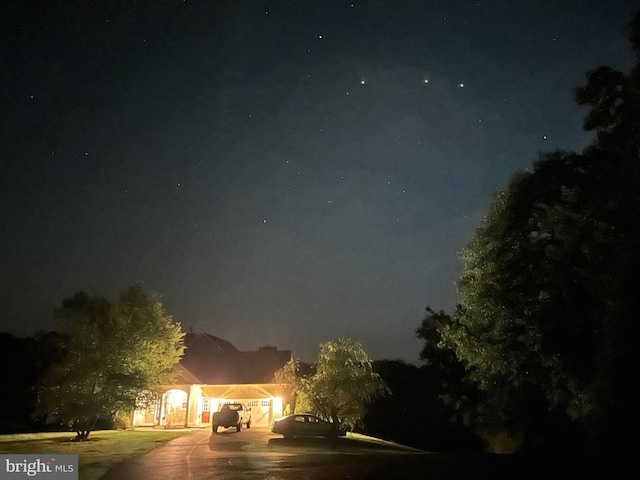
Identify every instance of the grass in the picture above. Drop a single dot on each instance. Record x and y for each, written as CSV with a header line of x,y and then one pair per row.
x,y
353,443
97,454
373,443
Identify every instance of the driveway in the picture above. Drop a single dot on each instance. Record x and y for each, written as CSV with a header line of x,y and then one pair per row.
x,y
256,453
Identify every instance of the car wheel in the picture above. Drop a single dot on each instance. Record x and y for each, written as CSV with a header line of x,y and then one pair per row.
x,y
239,426
214,428
249,424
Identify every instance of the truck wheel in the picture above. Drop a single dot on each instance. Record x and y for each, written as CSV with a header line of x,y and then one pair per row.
x,y
249,424
239,426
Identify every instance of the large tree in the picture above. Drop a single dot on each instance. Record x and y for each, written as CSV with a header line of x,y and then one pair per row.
x,y
341,384
550,290
113,353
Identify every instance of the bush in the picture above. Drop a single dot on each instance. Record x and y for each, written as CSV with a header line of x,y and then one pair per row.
x,y
122,421
503,442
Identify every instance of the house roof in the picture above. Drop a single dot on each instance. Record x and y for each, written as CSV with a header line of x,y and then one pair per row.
x,y
184,376
207,341
215,361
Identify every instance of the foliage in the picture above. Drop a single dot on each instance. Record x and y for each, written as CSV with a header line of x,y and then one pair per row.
x,y
23,360
291,374
546,279
546,324
415,414
122,420
451,383
491,413
288,375
530,293
114,351
341,385
449,370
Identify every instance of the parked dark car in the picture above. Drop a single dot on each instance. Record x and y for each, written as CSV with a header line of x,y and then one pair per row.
x,y
304,425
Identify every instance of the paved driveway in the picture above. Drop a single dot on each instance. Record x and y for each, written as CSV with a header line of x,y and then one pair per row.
x,y
256,453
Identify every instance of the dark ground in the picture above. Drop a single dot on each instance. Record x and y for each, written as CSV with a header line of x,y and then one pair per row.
x,y
259,454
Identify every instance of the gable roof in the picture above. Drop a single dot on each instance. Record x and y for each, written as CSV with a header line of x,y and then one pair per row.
x,y
206,341
184,376
215,361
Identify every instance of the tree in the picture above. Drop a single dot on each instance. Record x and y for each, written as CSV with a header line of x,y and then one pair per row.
x,y
291,374
548,292
612,100
415,414
114,352
342,384
529,291
451,383
23,360
551,285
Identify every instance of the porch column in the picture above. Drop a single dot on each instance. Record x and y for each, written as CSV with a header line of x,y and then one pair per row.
x,y
186,417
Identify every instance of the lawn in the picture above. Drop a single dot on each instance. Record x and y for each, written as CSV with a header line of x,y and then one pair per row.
x,y
97,454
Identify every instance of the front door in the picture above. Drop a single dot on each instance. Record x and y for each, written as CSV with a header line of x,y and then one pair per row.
x,y
206,410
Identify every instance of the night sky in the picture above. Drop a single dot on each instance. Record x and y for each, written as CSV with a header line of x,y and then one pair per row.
x,y
281,172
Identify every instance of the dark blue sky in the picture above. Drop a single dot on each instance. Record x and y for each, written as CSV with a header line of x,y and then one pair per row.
x,y
282,172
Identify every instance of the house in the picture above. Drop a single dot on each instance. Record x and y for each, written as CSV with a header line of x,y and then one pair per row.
x,y
212,372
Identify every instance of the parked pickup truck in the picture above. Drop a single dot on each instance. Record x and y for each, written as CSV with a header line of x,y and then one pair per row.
x,y
231,415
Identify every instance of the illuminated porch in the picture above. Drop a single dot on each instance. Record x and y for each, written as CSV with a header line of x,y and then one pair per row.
x,y
193,405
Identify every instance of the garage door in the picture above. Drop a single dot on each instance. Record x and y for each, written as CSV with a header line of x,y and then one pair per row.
x,y
261,411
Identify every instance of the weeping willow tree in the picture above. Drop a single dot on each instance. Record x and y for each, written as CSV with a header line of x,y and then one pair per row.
x,y
341,384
